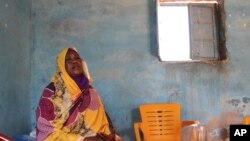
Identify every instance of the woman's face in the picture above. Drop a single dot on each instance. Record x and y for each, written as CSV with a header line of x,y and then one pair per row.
x,y
73,63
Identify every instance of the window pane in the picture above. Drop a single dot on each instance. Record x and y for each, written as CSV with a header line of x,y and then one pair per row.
x,y
173,33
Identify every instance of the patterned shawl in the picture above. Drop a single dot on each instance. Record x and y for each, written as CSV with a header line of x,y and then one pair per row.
x,y
67,113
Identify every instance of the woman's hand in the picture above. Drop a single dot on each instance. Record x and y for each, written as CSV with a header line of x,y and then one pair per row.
x,y
110,137
94,138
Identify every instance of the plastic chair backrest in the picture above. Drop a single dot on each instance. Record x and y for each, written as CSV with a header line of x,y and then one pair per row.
x,y
161,122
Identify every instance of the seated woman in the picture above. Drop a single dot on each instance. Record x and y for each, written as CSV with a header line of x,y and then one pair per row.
x,y
70,109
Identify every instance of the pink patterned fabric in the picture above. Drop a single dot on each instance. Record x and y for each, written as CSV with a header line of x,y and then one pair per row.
x,y
46,109
44,113
44,127
94,100
72,118
85,100
47,93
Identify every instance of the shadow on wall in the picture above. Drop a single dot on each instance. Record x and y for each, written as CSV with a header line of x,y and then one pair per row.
x,y
153,28
128,133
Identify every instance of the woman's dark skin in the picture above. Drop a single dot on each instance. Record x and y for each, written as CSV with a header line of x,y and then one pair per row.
x,y
73,66
73,63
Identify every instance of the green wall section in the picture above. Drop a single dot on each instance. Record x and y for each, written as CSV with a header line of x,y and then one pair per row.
x,y
118,41
15,66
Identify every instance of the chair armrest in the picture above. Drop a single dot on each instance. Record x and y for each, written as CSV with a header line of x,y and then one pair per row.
x,y
137,131
188,122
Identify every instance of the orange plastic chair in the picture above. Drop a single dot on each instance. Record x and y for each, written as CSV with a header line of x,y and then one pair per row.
x,y
160,122
246,120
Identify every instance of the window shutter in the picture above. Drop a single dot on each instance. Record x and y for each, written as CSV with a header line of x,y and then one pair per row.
x,y
203,33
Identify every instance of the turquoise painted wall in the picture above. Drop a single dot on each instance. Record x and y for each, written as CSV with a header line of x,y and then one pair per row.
x,y
118,41
15,66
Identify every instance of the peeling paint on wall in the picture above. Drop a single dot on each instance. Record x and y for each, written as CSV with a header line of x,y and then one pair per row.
x,y
240,105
